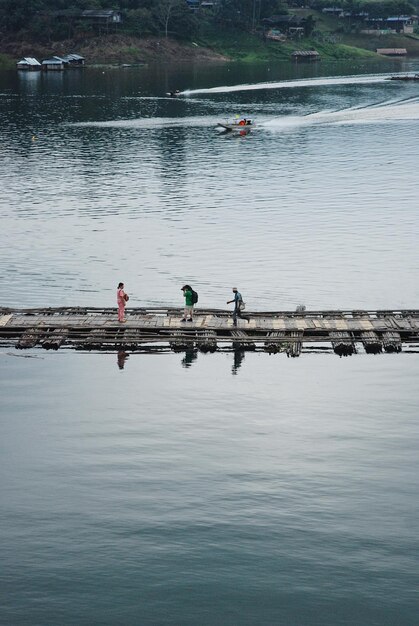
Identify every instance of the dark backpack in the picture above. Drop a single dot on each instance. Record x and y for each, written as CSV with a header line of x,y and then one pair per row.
x,y
194,297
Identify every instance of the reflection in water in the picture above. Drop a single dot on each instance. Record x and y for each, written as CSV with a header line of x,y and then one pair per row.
x,y
209,495
122,358
238,360
29,82
190,356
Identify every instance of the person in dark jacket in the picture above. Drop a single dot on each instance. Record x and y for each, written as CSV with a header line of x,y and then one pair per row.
x,y
238,307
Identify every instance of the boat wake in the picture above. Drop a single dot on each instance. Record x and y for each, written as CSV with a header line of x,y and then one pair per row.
x,y
289,84
154,123
377,113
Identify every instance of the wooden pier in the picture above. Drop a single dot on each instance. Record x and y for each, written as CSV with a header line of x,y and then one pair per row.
x,y
157,329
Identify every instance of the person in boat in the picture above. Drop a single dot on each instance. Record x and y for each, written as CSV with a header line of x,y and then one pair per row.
x,y
245,122
174,94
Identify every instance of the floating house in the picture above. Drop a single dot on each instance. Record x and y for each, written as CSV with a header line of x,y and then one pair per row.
x,y
74,60
305,55
392,52
29,64
55,64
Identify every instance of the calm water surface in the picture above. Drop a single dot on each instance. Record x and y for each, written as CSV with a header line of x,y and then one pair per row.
x,y
217,489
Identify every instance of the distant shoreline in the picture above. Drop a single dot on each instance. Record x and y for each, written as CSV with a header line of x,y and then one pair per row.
x,y
111,50
118,49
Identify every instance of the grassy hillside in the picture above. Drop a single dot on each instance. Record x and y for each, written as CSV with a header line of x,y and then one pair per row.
x,y
331,29
332,37
6,62
114,49
245,47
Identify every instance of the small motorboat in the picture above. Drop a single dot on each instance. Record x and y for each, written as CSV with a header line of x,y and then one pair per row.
x,y
404,77
173,94
243,125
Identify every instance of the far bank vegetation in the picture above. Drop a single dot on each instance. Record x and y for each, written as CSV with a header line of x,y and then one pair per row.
x,y
236,29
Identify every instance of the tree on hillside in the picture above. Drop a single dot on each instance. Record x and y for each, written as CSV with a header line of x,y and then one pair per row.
x,y
309,24
140,21
14,14
167,10
248,13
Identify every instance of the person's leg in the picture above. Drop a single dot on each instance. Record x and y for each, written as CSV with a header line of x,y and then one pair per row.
x,y
242,317
235,313
121,312
190,316
185,314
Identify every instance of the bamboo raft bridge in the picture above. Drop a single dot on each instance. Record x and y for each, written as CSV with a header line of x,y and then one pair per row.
x,y
158,329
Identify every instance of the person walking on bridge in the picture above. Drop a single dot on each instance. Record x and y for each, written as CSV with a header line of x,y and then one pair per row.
x,y
189,302
238,307
122,299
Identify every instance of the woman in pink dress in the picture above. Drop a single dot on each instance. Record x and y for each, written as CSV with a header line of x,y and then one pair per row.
x,y
121,298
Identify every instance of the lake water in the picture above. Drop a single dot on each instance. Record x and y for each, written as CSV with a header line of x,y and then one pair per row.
x,y
212,489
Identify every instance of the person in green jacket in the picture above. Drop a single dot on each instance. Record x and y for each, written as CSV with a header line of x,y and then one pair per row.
x,y
188,311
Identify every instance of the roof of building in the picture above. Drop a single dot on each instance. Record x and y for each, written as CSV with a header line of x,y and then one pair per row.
x,y
54,61
99,13
392,51
73,57
400,18
29,61
305,53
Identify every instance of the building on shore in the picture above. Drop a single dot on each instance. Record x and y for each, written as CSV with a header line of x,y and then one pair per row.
x,y
273,34
101,20
289,25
